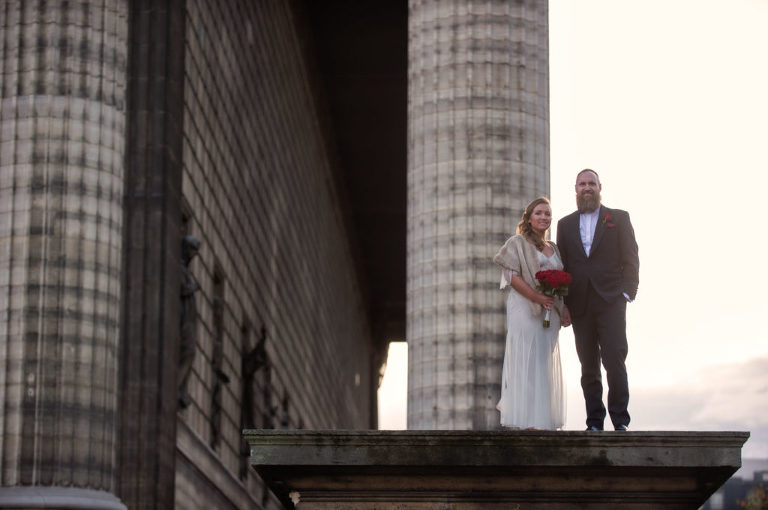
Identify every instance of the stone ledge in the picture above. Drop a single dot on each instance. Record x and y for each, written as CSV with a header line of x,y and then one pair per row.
x,y
486,469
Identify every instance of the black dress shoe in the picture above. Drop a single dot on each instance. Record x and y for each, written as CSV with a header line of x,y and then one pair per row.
x,y
592,428
621,428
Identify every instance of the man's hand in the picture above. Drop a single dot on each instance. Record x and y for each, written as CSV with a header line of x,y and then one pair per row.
x,y
565,320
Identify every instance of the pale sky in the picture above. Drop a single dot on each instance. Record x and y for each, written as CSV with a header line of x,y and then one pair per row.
x,y
668,101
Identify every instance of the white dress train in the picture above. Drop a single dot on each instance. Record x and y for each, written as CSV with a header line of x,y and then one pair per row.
x,y
532,392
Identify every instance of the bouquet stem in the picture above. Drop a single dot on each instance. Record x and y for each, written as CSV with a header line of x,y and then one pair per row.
x,y
546,318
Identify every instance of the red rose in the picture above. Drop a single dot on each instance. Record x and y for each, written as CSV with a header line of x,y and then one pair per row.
x,y
553,282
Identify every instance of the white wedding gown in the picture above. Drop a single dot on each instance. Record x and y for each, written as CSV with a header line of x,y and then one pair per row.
x,y
532,392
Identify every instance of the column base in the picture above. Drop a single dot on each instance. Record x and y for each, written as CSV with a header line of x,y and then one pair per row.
x,y
58,497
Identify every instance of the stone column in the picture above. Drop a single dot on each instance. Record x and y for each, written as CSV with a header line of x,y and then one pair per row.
x,y
478,152
61,190
153,265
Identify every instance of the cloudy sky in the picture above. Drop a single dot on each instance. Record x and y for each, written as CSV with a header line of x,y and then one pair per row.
x,y
668,101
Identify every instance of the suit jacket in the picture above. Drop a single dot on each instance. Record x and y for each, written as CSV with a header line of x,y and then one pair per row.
x,y
612,267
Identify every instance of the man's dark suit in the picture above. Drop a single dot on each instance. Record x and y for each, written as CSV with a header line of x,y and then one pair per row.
x,y
598,307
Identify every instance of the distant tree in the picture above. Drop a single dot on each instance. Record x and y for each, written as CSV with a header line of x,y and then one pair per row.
x,y
757,498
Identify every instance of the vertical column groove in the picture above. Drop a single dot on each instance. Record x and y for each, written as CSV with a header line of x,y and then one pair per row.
x,y
151,303
61,219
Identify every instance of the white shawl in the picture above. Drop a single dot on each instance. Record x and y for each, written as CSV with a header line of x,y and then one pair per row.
x,y
519,255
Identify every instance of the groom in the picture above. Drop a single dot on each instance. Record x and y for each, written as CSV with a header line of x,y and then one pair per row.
x,y
598,248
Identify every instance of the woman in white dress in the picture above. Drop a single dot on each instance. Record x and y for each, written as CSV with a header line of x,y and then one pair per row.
x,y
532,392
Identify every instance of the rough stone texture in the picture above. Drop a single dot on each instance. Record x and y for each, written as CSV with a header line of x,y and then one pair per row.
x,y
476,470
61,184
478,152
202,481
60,498
259,193
151,256
213,131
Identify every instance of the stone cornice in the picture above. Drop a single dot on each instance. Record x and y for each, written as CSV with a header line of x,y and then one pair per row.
x,y
542,468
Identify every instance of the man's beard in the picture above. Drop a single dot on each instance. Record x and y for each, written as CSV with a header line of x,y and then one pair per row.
x,y
588,203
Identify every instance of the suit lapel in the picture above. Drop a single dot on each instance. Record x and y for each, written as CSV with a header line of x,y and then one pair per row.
x,y
599,229
575,231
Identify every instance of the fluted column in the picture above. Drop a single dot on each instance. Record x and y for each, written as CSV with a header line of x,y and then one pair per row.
x,y
61,188
478,151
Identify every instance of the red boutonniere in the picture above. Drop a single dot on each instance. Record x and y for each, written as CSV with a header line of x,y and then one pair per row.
x,y
607,221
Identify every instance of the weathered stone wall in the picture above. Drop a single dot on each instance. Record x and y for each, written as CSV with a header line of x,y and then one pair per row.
x,y
97,188
489,470
259,194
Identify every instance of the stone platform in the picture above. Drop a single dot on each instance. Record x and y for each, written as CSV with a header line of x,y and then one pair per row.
x,y
463,470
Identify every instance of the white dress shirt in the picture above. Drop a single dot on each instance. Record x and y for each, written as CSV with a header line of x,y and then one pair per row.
x,y
587,226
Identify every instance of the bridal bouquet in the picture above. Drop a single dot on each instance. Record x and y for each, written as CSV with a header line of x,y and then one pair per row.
x,y
553,282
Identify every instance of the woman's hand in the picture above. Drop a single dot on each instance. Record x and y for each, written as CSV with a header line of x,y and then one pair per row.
x,y
543,300
517,283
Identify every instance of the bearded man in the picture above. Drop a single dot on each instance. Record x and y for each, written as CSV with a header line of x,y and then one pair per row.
x,y
598,248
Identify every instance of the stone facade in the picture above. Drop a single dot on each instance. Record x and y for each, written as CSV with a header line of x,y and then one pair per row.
x,y
258,193
130,363
127,126
478,152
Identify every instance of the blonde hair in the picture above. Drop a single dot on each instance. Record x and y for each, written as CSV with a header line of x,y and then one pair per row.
x,y
525,228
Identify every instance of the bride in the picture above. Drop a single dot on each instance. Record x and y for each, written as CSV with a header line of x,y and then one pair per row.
x,y
532,393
